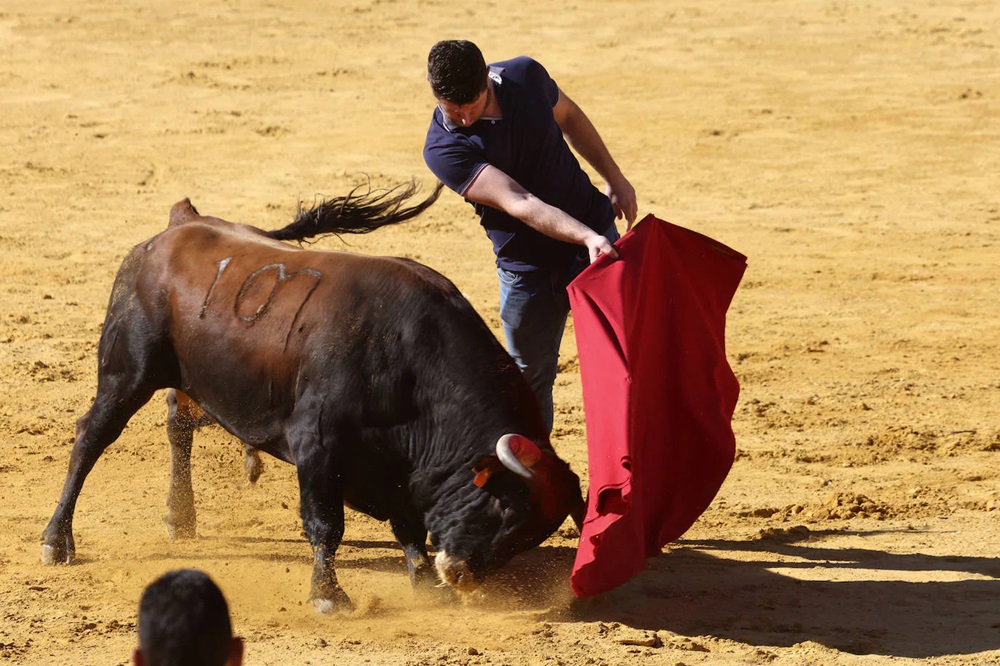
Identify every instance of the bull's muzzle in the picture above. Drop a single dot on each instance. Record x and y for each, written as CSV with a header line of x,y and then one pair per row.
x,y
455,572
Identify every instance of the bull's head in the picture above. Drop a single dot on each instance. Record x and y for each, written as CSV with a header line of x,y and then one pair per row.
x,y
530,492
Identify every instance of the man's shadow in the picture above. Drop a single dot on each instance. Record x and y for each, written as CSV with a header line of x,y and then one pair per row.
x,y
784,591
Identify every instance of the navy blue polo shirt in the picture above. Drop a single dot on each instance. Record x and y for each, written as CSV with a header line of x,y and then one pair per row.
x,y
528,146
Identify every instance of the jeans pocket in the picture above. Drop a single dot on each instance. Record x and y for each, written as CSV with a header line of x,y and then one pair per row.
x,y
509,278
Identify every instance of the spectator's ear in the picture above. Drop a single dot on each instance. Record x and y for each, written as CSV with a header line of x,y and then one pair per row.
x,y
137,657
235,652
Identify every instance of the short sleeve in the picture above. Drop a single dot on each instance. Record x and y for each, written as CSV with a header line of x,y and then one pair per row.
x,y
452,157
537,76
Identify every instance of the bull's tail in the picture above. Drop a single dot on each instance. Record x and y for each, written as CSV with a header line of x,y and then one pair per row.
x,y
360,211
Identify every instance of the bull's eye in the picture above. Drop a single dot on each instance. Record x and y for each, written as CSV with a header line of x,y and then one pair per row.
x,y
461,575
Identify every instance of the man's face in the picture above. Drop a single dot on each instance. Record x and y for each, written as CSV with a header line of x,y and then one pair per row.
x,y
464,115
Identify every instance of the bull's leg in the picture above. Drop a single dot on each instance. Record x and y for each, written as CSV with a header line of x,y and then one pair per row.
x,y
251,463
118,398
183,415
322,504
323,521
411,533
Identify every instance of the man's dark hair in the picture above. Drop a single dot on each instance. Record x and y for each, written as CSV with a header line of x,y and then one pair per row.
x,y
456,71
184,620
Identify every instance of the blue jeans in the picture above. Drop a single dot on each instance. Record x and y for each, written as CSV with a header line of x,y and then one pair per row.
x,y
533,309
534,306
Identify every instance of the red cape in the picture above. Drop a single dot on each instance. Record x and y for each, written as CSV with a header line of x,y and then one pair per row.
x,y
658,394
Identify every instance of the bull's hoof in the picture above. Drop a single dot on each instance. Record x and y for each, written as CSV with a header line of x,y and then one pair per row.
x,y
55,555
338,601
179,530
329,606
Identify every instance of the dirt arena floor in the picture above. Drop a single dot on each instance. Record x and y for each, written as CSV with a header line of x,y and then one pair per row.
x,y
850,149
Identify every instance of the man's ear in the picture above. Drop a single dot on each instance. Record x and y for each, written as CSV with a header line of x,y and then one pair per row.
x,y
137,657
235,652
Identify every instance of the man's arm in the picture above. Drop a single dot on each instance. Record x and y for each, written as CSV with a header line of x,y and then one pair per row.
x,y
492,187
583,137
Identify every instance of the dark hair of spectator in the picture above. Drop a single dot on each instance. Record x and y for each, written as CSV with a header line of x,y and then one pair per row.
x,y
184,621
456,71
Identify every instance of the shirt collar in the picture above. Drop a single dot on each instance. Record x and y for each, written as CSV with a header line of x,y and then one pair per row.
x,y
494,74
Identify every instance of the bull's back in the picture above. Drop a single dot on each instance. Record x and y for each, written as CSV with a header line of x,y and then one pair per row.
x,y
253,322
262,295
240,316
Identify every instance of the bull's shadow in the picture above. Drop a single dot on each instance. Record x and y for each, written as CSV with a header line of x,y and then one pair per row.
x,y
887,607
395,563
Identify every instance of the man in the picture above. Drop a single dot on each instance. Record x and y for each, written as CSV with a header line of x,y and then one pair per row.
x,y
184,621
498,137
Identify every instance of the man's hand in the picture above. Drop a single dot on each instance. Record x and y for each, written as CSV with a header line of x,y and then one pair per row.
x,y
583,137
622,196
598,245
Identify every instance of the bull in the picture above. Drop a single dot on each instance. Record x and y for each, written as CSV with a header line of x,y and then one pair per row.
x,y
374,376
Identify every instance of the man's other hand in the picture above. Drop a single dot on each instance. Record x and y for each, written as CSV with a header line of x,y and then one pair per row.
x,y
622,196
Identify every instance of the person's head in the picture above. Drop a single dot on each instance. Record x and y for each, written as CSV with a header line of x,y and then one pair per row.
x,y
184,620
458,75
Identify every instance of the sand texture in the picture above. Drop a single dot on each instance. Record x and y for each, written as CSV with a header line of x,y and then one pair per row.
x,y
850,149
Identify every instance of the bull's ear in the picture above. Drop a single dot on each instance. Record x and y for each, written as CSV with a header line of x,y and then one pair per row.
x,y
484,469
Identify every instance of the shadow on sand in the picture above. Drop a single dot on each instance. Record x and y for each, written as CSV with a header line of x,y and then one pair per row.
x,y
855,600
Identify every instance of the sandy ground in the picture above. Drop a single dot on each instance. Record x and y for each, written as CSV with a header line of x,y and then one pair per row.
x,y
850,149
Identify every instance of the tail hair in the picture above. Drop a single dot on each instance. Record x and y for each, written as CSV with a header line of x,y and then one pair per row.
x,y
358,212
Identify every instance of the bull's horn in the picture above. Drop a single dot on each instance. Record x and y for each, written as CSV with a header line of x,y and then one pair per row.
x,y
516,450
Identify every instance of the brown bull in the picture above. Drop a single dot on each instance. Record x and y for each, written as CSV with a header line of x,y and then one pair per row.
x,y
372,375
